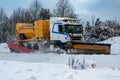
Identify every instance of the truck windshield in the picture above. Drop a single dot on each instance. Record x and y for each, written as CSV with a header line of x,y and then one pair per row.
x,y
73,29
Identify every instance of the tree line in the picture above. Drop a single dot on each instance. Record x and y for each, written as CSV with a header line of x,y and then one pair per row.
x,y
101,30
35,12
63,8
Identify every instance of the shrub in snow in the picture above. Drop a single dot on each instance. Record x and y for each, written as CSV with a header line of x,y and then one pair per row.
x,y
32,78
80,64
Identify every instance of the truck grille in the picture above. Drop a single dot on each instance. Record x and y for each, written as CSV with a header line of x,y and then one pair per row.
x,y
76,38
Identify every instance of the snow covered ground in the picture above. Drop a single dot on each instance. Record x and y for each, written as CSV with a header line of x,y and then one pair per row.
x,y
4,47
15,70
50,66
39,66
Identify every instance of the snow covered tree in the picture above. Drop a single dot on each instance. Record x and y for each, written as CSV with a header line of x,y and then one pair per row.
x,y
64,9
4,25
97,29
101,30
113,27
3,16
94,33
88,32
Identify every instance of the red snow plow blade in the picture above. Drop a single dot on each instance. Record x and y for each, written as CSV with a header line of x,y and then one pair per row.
x,y
17,48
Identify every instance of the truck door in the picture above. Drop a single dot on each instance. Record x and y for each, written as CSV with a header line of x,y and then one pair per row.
x,y
58,32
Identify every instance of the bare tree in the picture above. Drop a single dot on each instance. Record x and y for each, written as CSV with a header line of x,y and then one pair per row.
x,y
18,16
33,13
64,9
35,9
28,17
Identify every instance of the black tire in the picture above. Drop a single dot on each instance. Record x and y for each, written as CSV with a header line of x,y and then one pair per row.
x,y
35,46
21,44
29,46
11,50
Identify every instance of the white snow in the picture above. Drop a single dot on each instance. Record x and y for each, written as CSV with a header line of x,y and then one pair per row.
x,y
115,44
39,66
50,66
14,70
4,47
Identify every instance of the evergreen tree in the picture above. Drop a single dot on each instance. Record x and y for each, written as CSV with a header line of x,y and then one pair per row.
x,y
45,14
4,25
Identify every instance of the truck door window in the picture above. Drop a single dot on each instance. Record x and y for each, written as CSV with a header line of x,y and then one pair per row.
x,y
60,28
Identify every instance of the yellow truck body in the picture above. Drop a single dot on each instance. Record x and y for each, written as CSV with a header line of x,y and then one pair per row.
x,y
24,28
22,25
41,29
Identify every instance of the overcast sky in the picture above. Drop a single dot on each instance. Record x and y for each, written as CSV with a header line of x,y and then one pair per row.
x,y
105,9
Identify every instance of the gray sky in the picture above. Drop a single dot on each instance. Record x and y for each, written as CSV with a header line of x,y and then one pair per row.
x,y
105,9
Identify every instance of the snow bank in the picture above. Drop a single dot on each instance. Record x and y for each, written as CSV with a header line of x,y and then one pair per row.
x,y
4,47
115,44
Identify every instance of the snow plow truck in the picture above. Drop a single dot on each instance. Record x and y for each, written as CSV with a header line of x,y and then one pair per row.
x,y
57,34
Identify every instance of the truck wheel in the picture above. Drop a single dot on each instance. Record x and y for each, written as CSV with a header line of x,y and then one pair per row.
x,y
29,46
21,44
36,47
